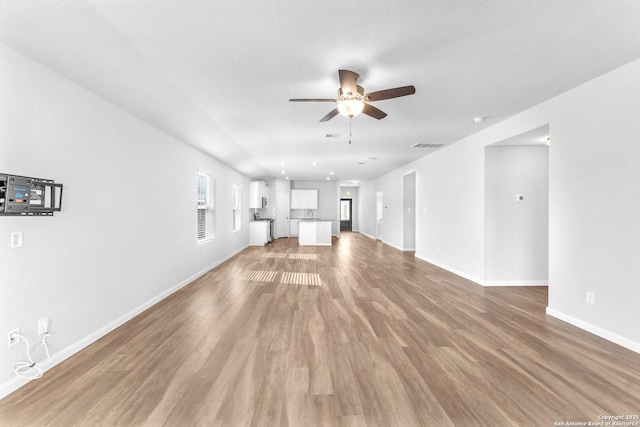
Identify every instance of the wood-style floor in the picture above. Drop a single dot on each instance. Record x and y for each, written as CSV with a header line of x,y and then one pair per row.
x,y
385,339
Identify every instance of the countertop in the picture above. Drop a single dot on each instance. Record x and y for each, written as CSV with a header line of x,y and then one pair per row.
x,y
307,219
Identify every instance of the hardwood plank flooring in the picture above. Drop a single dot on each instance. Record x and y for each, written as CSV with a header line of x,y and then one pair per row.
x,y
383,339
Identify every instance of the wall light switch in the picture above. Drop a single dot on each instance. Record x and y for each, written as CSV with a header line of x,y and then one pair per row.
x,y
16,239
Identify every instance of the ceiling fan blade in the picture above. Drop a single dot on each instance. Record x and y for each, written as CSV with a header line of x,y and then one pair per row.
x,y
330,115
390,93
348,81
311,100
372,111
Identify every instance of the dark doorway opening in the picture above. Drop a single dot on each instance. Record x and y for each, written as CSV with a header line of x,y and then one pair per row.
x,y
346,224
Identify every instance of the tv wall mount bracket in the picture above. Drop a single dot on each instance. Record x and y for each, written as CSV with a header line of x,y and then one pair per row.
x,y
26,196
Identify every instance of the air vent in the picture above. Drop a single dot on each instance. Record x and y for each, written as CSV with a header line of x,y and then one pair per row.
x,y
332,135
427,145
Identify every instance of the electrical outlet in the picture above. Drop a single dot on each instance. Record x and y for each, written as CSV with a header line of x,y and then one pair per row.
x,y
13,338
16,239
591,297
43,326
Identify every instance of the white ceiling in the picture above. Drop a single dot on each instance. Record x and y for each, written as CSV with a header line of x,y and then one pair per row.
x,y
218,74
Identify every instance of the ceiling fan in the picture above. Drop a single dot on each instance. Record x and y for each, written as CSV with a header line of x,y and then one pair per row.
x,y
352,100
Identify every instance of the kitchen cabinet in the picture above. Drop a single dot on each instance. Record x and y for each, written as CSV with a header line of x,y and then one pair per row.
x,y
257,190
295,199
311,199
315,233
259,233
295,227
304,199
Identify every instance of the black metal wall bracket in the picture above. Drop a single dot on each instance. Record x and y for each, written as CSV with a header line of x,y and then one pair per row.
x,y
21,195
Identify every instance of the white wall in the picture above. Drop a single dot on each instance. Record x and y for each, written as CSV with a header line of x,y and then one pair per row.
x,y
516,232
391,186
126,235
594,202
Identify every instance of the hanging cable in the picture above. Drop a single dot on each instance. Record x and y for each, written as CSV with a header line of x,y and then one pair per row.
x,y
350,121
29,370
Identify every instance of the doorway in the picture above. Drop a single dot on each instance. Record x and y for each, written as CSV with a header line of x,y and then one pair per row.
x,y
409,212
282,215
379,215
517,210
346,214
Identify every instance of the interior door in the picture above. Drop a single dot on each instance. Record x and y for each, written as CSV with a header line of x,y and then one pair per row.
x,y
345,215
282,215
379,215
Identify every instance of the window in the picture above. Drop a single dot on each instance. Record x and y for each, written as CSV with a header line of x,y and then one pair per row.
x,y
206,205
237,207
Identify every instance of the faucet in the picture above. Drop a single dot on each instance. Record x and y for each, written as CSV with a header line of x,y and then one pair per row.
x,y
309,213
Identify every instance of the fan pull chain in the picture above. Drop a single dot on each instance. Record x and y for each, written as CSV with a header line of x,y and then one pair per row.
x,y
350,121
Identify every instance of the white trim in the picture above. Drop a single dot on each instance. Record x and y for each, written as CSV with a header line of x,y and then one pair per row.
x,y
452,270
596,330
393,246
368,235
409,249
17,382
386,243
516,283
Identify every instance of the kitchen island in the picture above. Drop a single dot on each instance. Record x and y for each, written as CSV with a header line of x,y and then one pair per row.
x,y
315,233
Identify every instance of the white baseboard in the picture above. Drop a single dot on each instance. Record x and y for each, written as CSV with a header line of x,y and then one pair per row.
x,y
516,283
17,382
396,247
387,243
452,270
596,330
393,246
368,235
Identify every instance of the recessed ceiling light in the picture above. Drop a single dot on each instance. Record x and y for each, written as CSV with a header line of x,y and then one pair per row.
x,y
282,163
286,177
314,164
328,178
283,172
330,173
478,119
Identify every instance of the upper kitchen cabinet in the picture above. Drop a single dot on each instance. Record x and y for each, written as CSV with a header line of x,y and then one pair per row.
x,y
258,193
311,199
304,199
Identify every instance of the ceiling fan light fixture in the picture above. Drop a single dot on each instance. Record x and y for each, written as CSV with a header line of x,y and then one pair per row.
x,y
350,107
